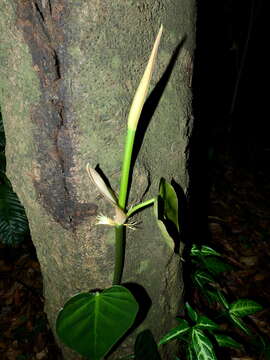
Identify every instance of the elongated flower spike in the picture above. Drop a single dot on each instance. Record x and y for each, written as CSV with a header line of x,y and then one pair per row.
x,y
141,93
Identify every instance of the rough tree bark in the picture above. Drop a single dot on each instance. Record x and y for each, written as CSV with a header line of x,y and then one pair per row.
x,y
69,70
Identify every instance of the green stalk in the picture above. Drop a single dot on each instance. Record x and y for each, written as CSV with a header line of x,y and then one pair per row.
x,y
133,118
126,169
119,254
119,257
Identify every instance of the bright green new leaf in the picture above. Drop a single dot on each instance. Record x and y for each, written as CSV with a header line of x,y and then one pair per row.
x,y
244,307
161,225
146,347
192,313
176,332
168,194
202,346
166,211
204,322
240,323
91,323
227,341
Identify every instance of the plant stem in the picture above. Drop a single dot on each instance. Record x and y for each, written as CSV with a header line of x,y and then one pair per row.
x,y
126,169
119,256
135,208
119,229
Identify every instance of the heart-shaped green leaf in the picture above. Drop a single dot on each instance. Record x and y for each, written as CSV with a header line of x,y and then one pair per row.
x,y
91,323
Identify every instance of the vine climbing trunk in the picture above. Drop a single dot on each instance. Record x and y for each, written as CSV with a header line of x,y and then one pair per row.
x,y
69,71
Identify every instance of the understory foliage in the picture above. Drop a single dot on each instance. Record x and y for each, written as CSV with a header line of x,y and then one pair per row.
x,y
13,220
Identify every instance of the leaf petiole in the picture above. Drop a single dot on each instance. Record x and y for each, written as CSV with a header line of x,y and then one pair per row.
x,y
135,208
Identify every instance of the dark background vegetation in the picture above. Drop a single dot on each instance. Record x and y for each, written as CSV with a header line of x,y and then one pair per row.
x,y
230,183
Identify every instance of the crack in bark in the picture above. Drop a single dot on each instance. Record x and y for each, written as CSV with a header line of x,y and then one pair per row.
x,y
42,28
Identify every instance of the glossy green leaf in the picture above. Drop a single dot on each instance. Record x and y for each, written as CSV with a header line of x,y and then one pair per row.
x,y
91,323
202,346
192,313
146,347
168,194
215,265
240,323
244,307
204,322
13,220
203,250
175,332
227,341
161,225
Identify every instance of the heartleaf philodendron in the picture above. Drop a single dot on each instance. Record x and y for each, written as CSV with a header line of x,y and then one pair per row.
x,y
91,323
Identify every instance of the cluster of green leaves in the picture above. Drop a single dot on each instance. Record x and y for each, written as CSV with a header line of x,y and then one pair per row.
x,y
200,333
207,264
13,220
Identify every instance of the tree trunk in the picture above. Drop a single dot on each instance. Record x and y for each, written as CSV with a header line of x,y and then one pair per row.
x,y
69,71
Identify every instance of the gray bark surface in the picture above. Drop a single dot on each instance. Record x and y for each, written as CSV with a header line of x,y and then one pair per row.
x,y
68,74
